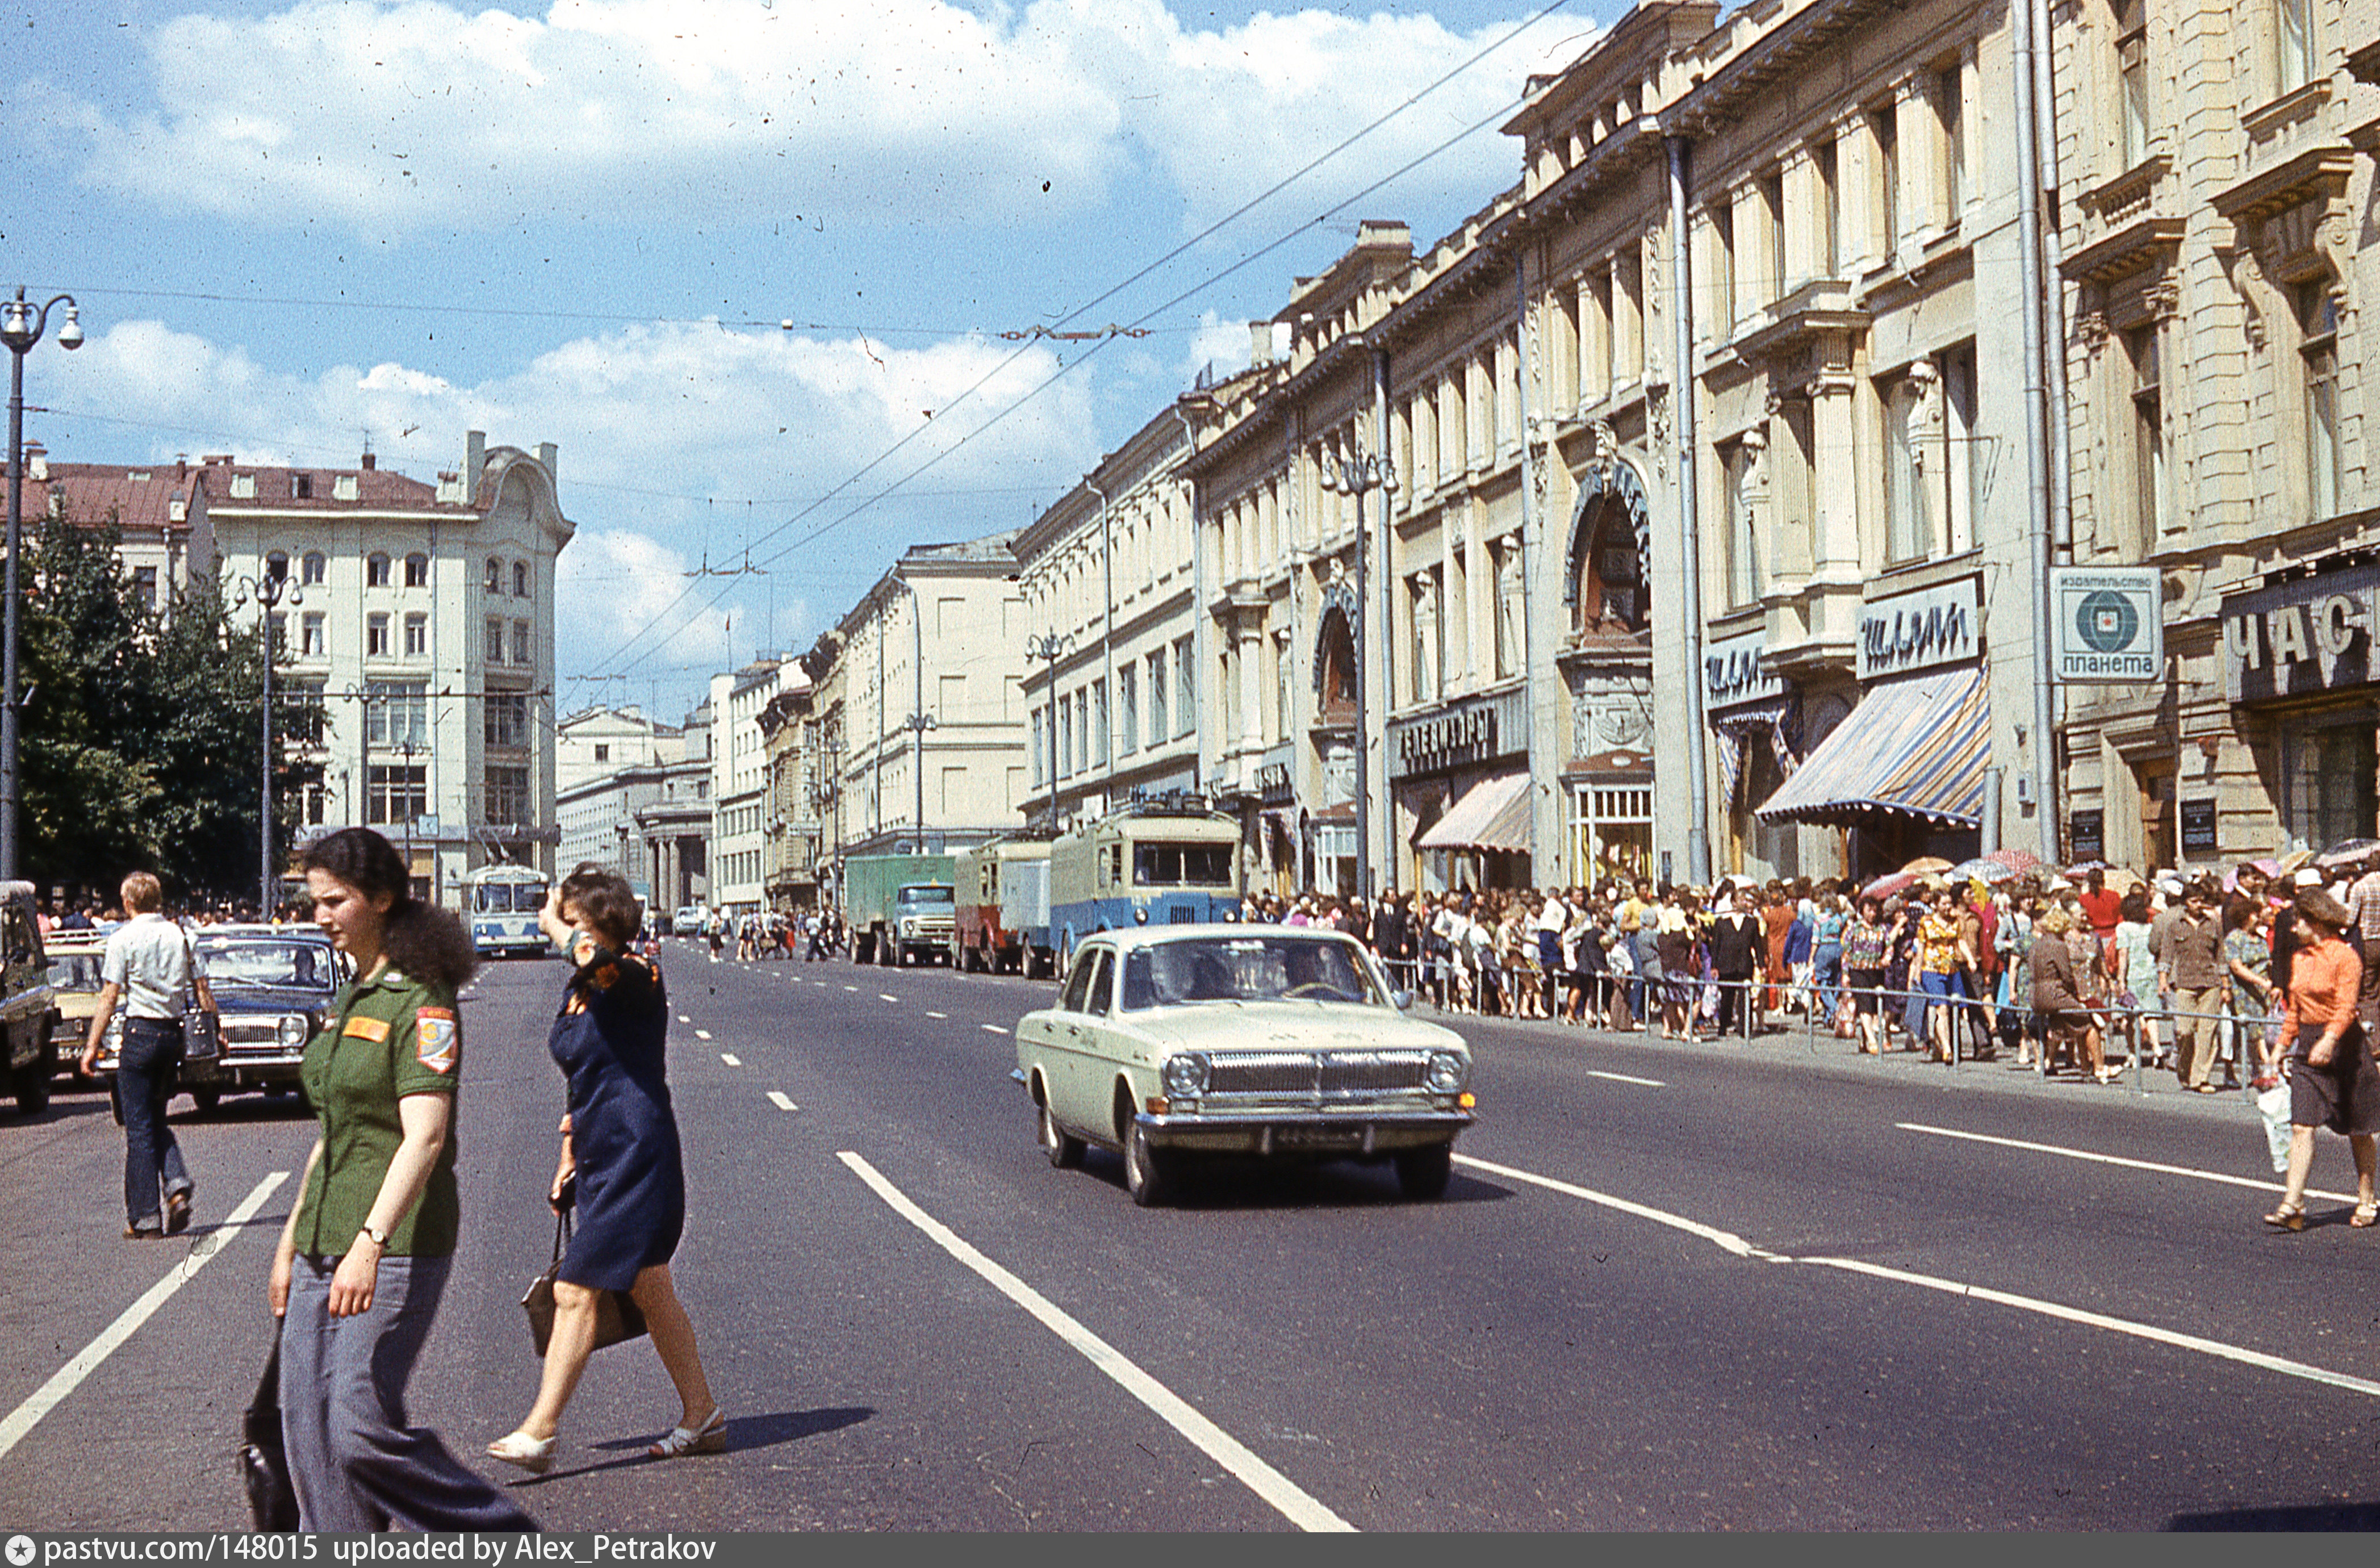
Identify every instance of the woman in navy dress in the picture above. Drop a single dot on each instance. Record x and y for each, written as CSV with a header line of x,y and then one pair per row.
x,y
620,1164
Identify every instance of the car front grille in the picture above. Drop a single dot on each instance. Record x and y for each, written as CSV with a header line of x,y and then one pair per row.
x,y
1316,1073
251,1034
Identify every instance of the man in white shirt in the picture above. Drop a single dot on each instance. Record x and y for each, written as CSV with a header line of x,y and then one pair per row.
x,y
1552,920
148,968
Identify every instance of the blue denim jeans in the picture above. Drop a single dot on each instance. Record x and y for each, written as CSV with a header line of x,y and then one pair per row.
x,y
145,1071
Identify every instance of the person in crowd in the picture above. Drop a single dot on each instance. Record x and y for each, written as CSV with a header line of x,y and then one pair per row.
x,y
1943,958
620,1165
2013,936
2134,979
1620,961
148,969
2061,994
2248,954
365,1254
2191,965
1799,942
2333,1082
1553,918
1736,943
2101,905
1867,946
1674,946
1826,955
1775,908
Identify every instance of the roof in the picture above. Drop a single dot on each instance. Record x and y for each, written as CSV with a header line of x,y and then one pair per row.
x,y
142,499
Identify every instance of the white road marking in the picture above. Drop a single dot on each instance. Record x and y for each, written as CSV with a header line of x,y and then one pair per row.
x,y
2096,1159
1625,1078
934,1014
702,1034
884,996
781,1102
1730,1242
730,1059
851,987
1268,1483
68,1378
993,1029
684,1019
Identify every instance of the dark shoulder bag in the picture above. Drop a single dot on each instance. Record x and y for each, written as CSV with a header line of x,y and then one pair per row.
x,y
264,1462
618,1316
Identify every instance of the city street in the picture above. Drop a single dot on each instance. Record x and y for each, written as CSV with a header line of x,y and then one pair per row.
x,y
1670,1287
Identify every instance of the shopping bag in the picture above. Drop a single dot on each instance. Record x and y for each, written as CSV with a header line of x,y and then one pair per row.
x,y
2273,1106
264,1462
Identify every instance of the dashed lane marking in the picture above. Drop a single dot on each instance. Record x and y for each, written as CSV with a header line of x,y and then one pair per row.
x,y
930,1014
852,989
1292,1501
702,1034
730,1059
781,1102
67,1379
993,1030
684,1019
886,996
1625,1078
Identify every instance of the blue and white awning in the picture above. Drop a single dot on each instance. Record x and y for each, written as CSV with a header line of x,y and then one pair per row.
x,y
1914,748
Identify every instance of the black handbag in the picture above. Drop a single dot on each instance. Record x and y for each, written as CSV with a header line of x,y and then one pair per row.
x,y
264,1462
618,1316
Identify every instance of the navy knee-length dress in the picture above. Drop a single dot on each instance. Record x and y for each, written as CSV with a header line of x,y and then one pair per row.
x,y
610,1040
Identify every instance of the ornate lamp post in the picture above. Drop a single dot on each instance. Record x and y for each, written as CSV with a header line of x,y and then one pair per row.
x,y
1051,646
1354,473
268,592
22,326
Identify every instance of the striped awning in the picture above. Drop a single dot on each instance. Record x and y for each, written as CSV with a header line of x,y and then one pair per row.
x,y
1493,814
1914,748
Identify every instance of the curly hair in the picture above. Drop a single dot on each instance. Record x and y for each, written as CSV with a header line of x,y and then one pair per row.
x,y
416,936
606,901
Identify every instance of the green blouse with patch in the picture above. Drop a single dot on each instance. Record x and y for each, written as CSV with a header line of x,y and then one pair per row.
x,y
389,1036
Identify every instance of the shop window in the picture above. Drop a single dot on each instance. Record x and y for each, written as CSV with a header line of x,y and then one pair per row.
x,y
2327,777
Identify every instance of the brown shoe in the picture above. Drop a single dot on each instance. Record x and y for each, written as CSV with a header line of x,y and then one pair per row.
x,y
141,1232
178,1212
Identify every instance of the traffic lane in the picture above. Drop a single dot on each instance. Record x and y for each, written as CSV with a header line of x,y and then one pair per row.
x,y
2038,1402
1813,1162
869,1382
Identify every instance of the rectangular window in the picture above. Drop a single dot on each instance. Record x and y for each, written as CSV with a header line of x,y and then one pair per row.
x,y
417,571
952,706
375,636
1040,738
505,722
395,796
1065,737
2132,80
1722,270
1742,562
144,587
1949,103
506,798
314,635
397,715
2297,49
2318,318
1185,686
304,717
1772,211
1083,753
1157,730
2327,784
2149,517
1830,236
376,571
416,635
1504,559
1628,285
520,642
495,647
1100,752
1886,192
1907,536
1424,662
1128,709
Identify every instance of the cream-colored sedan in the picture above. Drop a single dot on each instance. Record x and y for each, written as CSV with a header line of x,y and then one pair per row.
x,y
1279,1043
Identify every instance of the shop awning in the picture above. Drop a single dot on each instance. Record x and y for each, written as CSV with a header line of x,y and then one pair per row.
x,y
1493,814
1916,748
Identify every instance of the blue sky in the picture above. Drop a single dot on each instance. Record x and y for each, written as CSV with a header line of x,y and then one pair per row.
x,y
294,226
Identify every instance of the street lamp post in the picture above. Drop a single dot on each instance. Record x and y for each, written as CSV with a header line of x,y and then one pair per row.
x,y
1051,646
1355,473
22,326
268,590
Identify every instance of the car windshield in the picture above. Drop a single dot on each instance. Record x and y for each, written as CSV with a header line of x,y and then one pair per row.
x,y
928,896
1270,967
74,971
265,963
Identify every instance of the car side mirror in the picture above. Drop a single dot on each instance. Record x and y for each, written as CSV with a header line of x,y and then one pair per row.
x,y
1403,999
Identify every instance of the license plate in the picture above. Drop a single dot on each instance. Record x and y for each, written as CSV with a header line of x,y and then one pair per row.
x,y
1317,1137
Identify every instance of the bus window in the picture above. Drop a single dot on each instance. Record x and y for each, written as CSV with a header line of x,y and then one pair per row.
x,y
1181,865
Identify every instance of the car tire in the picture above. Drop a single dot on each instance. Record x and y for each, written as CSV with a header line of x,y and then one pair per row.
x,y
1064,1150
1149,1174
206,1099
1423,1172
31,1085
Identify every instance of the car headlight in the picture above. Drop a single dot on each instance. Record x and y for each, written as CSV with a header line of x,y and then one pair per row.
x,y
1185,1076
1447,1072
292,1031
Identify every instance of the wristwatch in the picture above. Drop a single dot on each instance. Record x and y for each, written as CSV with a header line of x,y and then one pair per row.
x,y
378,1238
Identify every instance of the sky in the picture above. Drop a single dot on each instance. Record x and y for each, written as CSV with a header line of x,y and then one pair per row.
x,y
768,273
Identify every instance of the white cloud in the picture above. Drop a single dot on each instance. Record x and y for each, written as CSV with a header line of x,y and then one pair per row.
x,y
622,586
1218,345
418,116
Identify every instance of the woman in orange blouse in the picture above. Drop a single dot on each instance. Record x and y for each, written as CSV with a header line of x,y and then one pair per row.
x,y
2333,1082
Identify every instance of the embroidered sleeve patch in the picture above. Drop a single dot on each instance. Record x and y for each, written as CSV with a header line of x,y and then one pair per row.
x,y
436,1038
362,1028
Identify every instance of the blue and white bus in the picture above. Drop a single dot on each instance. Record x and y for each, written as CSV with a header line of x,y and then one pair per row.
x,y
500,905
1170,863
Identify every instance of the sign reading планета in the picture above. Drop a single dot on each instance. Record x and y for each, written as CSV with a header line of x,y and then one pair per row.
x,y
2107,624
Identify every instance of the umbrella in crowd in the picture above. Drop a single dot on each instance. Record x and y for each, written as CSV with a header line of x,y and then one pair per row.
x,y
1926,866
2020,861
1888,884
2347,852
1984,869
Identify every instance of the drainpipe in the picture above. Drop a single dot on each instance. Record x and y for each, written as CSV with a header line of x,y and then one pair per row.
x,y
1682,400
2036,422
1385,634
1106,655
1541,868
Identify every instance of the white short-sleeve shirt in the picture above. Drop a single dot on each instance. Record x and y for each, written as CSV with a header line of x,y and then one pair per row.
x,y
149,960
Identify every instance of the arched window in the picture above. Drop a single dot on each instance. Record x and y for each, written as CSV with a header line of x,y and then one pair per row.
x,y
494,581
520,579
1611,596
276,565
376,570
311,569
1336,680
416,570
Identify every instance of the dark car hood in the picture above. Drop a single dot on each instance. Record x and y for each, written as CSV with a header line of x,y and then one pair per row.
x,y
271,998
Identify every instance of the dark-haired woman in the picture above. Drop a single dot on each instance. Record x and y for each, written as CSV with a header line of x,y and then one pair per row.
x,y
364,1257
620,1165
2332,1080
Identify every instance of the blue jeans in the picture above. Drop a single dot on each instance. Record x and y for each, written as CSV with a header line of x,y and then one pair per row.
x,y
145,1082
1826,978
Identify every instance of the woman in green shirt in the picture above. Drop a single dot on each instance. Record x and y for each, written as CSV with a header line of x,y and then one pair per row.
x,y
364,1257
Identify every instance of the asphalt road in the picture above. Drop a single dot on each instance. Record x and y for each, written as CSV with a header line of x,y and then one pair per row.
x,y
1670,1287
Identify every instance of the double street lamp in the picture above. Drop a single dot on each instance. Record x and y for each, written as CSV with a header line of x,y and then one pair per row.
x,y
1052,646
22,326
268,591
1355,473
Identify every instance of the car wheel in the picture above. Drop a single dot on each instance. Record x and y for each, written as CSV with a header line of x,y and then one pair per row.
x,y
1423,1172
1064,1150
206,1099
32,1084
1147,1173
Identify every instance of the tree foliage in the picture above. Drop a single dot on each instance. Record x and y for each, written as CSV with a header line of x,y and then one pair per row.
x,y
139,744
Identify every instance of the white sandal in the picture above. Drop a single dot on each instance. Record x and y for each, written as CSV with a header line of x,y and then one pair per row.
x,y
532,1454
708,1438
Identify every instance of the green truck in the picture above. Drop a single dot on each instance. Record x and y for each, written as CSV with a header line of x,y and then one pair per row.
x,y
900,907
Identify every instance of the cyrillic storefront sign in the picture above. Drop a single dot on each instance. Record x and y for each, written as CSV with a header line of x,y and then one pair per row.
x,y
2300,639
1917,631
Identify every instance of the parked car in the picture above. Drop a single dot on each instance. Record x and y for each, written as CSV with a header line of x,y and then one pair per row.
x,y
688,922
1171,1042
272,986
28,1013
75,958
